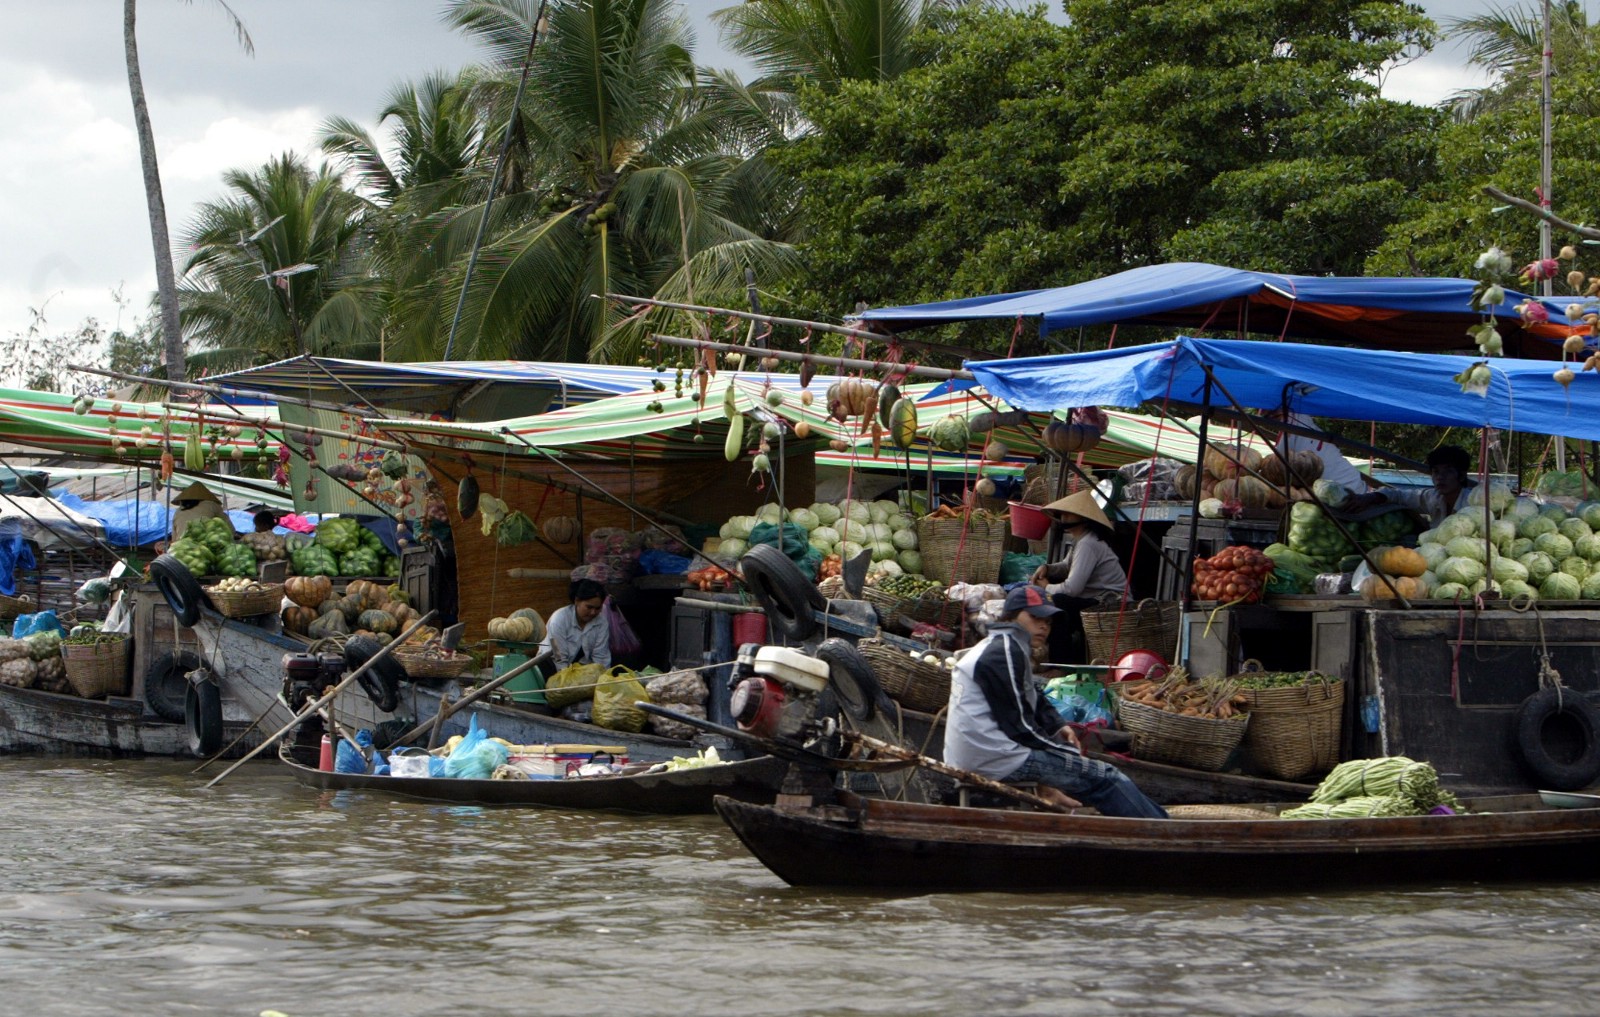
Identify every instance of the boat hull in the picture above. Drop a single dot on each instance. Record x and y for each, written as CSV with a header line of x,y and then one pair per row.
x,y
48,723
681,792
893,846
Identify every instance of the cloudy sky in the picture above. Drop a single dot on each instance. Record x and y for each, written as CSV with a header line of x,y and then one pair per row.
x,y
71,198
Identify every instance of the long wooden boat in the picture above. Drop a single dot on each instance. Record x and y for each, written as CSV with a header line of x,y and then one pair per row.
x,y
676,793
898,846
50,723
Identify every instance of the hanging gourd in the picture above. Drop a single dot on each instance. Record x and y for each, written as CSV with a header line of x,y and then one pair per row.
x,y
903,423
467,497
950,433
560,529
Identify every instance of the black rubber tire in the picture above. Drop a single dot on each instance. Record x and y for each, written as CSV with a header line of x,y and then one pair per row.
x,y
381,682
202,713
1558,734
786,595
854,684
166,685
179,587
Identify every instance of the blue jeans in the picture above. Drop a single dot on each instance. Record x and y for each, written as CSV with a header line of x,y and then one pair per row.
x,y
1090,781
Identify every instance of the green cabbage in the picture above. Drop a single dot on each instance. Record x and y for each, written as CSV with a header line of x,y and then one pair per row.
x,y
1467,547
1518,588
1573,528
911,561
898,522
1553,544
805,519
1560,586
1534,527
1538,564
825,535
1589,589
1522,508
1462,524
1577,568
1587,547
1502,532
847,549
858,511
883,550
1506,569
877,531
827,514
1554,513
1464,571
1433,554
1329,493
1450,591
1499,497
887,567
733,547
880,511
1519,547
1429,581
771,512
1589,512
904,540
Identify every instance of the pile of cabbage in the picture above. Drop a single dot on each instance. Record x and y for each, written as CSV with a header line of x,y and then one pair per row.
x,y
1533,550
844,529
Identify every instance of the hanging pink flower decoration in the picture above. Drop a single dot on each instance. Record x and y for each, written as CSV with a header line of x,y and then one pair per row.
x,y
1533,312
1545,269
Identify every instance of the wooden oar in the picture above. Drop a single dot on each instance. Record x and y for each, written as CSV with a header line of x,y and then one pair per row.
x,y
317,704
965,776
476,694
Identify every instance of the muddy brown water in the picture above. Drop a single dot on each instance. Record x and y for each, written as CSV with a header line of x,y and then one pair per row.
x,y
129,889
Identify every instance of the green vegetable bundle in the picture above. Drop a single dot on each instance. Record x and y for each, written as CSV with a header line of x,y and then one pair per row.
x,y
1417,782
196,557
516,528
1275,679
341,535
1365,807
907,586
363,561
237,560
315,560
216,534
390,566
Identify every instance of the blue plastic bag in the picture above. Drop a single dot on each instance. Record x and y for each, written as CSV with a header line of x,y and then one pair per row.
x,y
33,624
349,759
475,757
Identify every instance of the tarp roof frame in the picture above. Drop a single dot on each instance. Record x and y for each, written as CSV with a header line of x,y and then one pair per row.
x,y
1324,381
1430,314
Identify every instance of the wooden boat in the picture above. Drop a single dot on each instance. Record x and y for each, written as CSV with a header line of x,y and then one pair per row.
x,y
50,723
676,793
897,846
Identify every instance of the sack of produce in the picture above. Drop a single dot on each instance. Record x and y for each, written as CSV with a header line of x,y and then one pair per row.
x,y
666,727
572,684
476,756
613,703
677,688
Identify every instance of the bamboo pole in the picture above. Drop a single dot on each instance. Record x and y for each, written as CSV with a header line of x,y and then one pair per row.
x,y
316,704
843,363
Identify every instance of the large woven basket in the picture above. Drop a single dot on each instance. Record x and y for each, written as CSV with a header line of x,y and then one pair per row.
x,y
418,664
1162,737
932,608
259,598
1300,737
97,670
1152,625
10,607
963,550
1316,691
912,682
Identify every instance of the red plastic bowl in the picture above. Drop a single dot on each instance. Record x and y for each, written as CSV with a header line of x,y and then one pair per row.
x,y
1137,665
1029,522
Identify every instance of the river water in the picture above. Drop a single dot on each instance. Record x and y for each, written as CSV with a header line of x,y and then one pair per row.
x,y
129,889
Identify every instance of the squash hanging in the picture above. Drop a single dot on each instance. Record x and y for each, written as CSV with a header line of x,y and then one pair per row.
x,y
467,497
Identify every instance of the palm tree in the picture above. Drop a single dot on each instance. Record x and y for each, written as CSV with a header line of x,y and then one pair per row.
x,y
632,180
438,135
279,269
1508,42
166,283
824,43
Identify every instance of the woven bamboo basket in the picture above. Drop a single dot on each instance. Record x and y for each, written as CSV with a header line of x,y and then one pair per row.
x,y
10,607
259,598
97,670
1152,625
1162,737
1296,734
418,664
1315,692
950,559
932,608
913,683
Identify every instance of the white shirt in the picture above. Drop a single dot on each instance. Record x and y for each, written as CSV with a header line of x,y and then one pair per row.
x,y
1427,500
1335,466
575,644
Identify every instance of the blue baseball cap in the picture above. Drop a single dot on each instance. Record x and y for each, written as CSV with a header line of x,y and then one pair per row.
x,y
1031,599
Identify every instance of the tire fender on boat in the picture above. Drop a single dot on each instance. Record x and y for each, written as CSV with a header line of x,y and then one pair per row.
x,y
381,681
854,684
179,588
1558,736
202,713
783,590
166,683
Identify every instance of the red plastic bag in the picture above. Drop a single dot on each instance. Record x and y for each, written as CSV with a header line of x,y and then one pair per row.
x,y
624,642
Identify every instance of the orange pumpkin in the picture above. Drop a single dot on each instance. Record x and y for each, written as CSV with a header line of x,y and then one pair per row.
x,y
1184,481
1399,561
1274,470
308,591
299,618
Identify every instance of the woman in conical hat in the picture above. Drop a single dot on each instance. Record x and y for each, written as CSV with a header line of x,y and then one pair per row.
x,y
195,502
1088,578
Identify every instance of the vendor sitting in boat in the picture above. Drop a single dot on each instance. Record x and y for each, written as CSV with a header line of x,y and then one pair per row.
x,y
1089,578
1449,466
1002,727
577,634
195,502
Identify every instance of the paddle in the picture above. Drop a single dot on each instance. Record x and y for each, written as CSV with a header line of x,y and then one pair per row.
x,y
316,704
965,776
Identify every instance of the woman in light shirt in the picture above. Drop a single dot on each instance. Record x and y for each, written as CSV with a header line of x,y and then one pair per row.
x,y
1089,578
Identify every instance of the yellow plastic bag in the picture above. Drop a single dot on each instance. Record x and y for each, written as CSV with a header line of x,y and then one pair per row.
x,y
572,684
614,699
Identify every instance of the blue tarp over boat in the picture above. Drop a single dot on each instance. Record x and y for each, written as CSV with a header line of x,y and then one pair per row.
x,y
1392,313
1323,381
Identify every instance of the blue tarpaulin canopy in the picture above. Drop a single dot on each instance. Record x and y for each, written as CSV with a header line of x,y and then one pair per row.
x,y
1392,313
1323,381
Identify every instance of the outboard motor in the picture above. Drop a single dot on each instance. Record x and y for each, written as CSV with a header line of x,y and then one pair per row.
x,y
776,691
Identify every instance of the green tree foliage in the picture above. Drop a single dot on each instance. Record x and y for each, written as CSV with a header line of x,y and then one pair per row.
x,y
278,269
1032,154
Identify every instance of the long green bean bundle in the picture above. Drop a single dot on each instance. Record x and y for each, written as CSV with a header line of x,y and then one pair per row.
x,y
1389,775
1365,807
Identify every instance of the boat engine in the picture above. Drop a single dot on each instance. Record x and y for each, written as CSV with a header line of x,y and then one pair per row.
x,y
776,692
302,679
